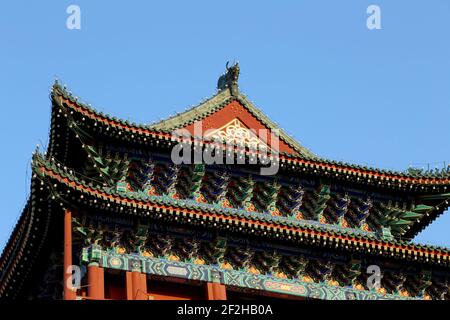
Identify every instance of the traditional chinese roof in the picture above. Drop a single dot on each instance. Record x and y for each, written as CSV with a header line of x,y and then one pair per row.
x,y
60,179
86,120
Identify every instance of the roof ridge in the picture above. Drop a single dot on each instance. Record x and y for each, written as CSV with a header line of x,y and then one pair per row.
x,y
186,111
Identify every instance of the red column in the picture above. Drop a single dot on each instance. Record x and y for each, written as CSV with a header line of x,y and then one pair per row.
x,y
144,294
96,282
69,293
129,285
139,285
216,291
136,285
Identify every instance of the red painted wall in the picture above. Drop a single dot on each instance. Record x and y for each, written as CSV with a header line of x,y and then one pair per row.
x,y
115,286
163,290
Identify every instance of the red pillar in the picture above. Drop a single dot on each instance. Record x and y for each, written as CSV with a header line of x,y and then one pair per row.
x,y
136,285
216,291
69,293
96,282
129,285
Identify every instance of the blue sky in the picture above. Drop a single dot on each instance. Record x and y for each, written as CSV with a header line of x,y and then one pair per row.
x,y
377,97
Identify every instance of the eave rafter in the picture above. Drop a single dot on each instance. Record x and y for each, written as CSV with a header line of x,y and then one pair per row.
x,y
26,242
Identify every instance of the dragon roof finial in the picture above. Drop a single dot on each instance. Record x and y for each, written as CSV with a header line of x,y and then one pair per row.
x,y
230,79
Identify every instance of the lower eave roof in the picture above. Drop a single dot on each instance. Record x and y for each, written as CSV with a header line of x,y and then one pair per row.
x,y
30,233
254,223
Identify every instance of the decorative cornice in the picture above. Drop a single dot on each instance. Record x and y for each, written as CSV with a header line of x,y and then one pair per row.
x,y
240,279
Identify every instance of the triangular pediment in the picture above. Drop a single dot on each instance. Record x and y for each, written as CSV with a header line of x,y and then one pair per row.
x,y
237,133
223,113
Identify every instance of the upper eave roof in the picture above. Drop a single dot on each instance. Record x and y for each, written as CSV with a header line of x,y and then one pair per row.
x,y
163,130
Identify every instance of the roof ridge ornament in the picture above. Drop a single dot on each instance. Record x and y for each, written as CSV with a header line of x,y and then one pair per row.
x,y
229,79
56,83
